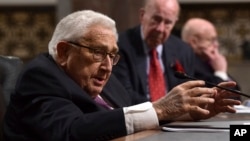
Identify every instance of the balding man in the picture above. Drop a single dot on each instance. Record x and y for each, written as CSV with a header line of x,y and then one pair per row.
x,y
210,65
157,19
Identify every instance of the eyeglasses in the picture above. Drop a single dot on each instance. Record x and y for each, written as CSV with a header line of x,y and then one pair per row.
x,y
99,54
208,41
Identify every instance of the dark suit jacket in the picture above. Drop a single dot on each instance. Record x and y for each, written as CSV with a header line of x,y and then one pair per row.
x,y
49,106
131,68
204,71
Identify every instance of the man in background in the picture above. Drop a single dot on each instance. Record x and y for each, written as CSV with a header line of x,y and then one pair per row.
x,y
210,64
139,46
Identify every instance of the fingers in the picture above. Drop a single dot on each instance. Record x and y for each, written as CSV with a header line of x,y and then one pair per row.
x,y
224,93
193,89
199,91
193,98
209,54
227,84
231,102
192,84
226,108
225,105
198,112
201,100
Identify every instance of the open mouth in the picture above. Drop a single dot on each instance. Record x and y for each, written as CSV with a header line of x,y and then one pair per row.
x,y
99,81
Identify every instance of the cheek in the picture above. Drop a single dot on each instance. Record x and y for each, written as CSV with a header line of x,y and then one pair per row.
x,y
79,71
209,49
86,74
166,34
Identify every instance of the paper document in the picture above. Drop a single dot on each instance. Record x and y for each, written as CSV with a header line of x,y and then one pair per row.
x,y
242,109
193,129
202,126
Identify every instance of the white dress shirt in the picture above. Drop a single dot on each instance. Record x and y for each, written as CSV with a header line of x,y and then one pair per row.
x,y
140,117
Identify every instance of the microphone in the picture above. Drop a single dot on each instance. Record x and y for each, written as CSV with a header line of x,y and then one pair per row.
x,y
183,75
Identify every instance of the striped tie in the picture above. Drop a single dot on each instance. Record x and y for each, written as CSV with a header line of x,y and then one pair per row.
x,y
101,102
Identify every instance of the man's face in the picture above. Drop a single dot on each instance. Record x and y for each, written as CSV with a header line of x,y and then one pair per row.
x,y
81,66
207,43
158,20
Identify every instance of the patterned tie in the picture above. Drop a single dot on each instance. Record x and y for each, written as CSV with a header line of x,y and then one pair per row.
x,y
156,78
101,102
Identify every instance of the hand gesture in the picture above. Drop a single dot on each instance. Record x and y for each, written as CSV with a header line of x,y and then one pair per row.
x,y
222,103
183,99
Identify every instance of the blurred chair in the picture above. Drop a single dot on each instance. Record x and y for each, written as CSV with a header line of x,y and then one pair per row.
x,y
10,67
2,112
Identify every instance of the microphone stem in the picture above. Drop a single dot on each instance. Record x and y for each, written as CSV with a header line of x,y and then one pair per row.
x,y
211,84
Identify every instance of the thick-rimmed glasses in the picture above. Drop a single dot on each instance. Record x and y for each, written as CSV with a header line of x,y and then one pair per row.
x,y
99,54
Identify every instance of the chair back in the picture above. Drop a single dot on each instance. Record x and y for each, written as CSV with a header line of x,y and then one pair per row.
x,y
10,66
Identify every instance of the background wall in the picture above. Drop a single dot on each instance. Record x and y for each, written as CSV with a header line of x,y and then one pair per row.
x,y
25,30
124,12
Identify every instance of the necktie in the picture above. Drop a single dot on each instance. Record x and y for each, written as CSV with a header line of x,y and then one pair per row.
x,y
156,78
101,102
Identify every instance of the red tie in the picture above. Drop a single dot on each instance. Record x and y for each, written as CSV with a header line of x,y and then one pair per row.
x,y
156,78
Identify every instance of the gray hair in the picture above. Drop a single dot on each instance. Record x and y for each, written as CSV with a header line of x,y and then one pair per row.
x,y
74,26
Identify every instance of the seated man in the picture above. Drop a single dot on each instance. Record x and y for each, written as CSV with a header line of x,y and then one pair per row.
x,y
210,64
150,47
69,93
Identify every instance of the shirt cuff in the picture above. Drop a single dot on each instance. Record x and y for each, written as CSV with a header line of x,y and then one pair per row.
x,y
222,75
140,117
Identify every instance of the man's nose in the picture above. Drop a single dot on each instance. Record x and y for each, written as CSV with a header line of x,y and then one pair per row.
x,y
161,26
107,63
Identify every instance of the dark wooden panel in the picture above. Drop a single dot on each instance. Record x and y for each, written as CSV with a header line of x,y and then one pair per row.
x,y
25,31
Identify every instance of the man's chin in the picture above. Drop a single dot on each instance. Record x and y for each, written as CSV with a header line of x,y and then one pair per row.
x,y
97,90
94,91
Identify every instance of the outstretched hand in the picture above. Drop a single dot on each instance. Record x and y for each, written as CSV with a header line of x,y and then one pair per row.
x,y
222,103
183,99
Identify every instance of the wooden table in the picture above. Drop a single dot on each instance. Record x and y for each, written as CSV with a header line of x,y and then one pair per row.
x,y
159,135
139,135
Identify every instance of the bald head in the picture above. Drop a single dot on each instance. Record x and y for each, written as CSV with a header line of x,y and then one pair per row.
x,y
158,18
149,4
196,27
201,35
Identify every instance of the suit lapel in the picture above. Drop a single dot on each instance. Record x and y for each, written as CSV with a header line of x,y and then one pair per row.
x,y
140,59
115,93
169,57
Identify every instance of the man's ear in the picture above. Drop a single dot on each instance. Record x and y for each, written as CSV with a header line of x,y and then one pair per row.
x,y
63,49
193,41
141,13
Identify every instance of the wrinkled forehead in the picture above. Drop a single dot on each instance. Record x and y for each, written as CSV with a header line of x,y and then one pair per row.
x,y
207,34
97,35
166,7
